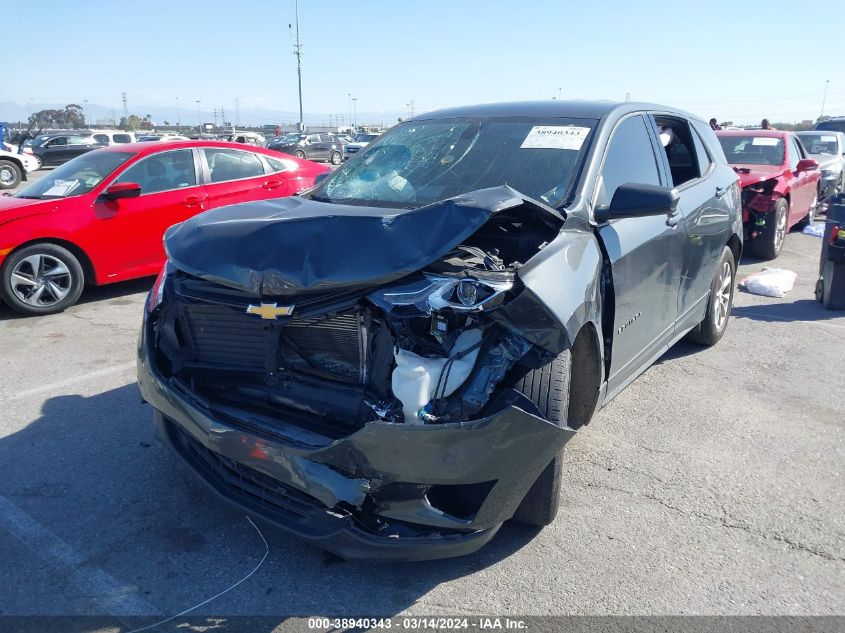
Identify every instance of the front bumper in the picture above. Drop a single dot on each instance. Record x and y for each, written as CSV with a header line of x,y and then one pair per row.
x,y
386,491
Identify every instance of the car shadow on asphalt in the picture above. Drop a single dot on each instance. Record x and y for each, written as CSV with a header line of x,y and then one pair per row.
x,y
92,294
89,470
800,310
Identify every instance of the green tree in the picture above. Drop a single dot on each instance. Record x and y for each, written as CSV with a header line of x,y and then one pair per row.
x,y
131,123
71,116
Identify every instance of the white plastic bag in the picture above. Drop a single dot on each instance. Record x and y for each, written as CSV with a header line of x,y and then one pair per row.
x,y
770,282
816,230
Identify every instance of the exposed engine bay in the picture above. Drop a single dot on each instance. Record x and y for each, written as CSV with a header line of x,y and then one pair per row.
x,y
419,350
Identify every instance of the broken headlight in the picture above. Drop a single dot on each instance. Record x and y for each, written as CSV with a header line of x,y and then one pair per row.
x,y
436,292
157,292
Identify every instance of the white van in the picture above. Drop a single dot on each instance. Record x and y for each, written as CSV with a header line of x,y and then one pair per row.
x,y
113,137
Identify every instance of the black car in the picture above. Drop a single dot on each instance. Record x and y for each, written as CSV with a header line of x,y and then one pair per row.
x,y
317,147
832,125
57,149
390,364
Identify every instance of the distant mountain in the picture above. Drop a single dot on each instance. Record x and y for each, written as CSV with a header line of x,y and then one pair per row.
x,y
95,114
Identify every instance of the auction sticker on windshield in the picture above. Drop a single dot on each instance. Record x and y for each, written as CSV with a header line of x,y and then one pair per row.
x,y
765,140
555,137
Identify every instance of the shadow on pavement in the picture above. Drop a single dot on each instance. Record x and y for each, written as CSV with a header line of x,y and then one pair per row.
x,y
92,294
89,470
801,310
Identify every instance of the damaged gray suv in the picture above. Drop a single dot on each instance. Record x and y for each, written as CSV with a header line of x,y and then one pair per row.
x,y
390,364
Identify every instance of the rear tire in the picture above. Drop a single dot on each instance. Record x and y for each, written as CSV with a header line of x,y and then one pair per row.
x,y
715,323
768,244
10,175
808,219
548,388
299,154
41,279
336,158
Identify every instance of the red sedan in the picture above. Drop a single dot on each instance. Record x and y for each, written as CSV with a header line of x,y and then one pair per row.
x,y
780,185
100,218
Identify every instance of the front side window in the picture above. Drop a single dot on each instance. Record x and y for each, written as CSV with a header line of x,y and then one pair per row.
x,y
122,138
677,140
704,160
57,142
101,138
422,162
231,164
753,150
629,159
80,140
76,177
163,171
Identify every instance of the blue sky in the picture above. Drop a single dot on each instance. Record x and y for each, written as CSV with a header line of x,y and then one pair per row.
x,y
733,60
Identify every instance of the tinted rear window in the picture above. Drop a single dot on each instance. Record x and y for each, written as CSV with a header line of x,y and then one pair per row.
x,y
835,126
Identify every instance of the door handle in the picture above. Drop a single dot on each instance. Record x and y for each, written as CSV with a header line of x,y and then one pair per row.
x,y
273,184
191,201
673,220
721,191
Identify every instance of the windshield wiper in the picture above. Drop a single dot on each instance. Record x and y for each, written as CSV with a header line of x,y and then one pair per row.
x,y
29,197
321,198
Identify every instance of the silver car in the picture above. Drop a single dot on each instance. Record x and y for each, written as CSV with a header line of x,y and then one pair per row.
x,y
828,149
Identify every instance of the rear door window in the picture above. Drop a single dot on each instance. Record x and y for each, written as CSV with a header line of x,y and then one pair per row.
x,y
122,138
228,164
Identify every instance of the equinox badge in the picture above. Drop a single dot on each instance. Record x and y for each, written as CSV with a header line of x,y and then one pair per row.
x,y
270,310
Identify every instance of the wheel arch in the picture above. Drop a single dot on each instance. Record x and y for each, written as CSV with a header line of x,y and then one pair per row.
x,y
84,260
586,375
735,244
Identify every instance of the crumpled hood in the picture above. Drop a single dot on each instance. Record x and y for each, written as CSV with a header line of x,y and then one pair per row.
x,y
293,245
757,173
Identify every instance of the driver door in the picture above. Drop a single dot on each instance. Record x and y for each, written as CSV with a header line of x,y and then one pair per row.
x,y
134,227
645,256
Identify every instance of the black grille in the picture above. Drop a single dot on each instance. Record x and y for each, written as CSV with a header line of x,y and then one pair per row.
x,y
250,487
333,344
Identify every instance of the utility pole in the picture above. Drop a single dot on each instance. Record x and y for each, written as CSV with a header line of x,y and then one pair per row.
x,y
125,106
178,115
824,98
237,112
199,120
297,50
349,94
222,116
627,96
355,112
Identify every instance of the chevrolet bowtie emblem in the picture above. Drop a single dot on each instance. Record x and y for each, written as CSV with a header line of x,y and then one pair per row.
x,y
270,311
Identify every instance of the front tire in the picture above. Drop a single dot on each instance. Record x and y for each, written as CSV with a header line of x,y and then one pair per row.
x,y
336,158
715,323
548,388
10,175
41,279
768,244
39,161
299,154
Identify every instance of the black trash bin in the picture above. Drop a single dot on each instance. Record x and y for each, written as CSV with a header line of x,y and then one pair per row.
x,y
830,288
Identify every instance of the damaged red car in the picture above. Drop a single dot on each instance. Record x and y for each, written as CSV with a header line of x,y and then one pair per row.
x,y
780,185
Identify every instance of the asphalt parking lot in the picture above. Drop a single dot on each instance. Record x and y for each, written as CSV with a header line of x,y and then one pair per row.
x,y
712,485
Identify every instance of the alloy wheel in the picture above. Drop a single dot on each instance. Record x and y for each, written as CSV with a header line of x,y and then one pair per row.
x,y
7,176
41,280
780,231
722,300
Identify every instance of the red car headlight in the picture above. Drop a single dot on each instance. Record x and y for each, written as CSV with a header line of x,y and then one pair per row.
x,y
157,291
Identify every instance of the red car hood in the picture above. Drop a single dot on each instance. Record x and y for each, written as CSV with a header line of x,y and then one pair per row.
x,y
15,208
757,173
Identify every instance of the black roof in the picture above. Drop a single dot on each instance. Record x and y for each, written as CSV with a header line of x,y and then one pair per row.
x,y
549,108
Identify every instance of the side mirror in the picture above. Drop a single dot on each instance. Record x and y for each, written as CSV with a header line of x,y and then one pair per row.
x,y
320,177
122,190
807,164
633,200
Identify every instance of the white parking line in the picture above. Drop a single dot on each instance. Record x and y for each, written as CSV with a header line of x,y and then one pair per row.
x,y
60,384
115,598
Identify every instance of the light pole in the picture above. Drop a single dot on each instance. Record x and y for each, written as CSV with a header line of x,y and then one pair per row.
x,y
349,94
297,50
355,113
178,115
824,98
199,121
